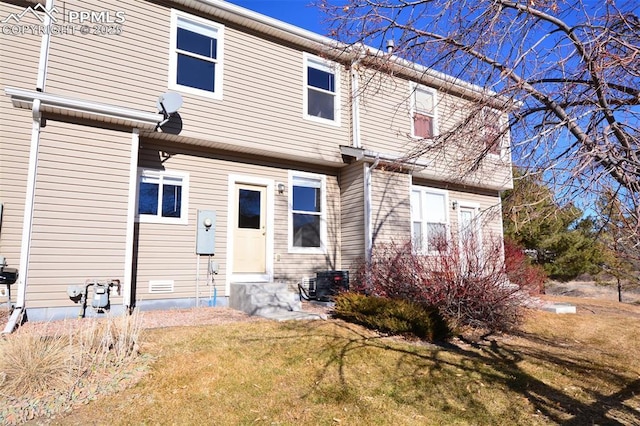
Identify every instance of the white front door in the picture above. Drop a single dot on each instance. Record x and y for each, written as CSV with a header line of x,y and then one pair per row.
x,y
469,233
250,230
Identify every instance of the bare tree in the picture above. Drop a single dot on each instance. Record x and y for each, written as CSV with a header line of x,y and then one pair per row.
x,y
573,67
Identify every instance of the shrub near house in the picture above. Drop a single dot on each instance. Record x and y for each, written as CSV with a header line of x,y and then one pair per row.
x,y
469,287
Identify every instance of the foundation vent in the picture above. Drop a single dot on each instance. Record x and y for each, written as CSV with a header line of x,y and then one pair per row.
x,y
161,286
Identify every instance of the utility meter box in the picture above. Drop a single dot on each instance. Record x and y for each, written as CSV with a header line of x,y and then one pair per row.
x,y
206,233
100,298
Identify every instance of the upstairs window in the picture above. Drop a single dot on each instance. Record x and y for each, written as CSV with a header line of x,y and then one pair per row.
x,y
493,129
321,90
196,55
307,213
162,196
424,116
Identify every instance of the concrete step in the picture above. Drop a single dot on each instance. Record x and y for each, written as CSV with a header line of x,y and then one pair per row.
x,y
559,308
263,298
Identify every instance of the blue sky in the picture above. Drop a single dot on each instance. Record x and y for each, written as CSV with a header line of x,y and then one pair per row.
x,y
301,13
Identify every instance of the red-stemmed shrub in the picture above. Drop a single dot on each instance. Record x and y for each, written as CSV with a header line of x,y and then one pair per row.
x,y
521,271
467,283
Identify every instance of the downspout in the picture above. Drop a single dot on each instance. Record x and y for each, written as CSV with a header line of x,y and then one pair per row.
x,y
131,217
355,105
19,312
368,231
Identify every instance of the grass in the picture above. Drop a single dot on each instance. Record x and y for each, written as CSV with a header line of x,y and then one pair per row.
x,y
559,369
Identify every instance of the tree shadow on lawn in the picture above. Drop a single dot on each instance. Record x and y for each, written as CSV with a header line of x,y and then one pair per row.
x,y
423,369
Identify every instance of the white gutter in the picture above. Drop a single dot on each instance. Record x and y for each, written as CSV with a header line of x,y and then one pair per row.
x,y
82,108
27,219
131,217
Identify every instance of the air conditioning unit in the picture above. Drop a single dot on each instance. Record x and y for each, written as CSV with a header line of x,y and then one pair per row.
x,y
330,283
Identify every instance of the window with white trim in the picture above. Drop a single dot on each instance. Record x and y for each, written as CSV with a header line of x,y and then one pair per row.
x,y
423,112
429,219
307,224
493,129
321,90
196,55
162,196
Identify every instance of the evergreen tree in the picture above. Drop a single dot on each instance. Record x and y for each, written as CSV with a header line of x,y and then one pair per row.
x,y
556,236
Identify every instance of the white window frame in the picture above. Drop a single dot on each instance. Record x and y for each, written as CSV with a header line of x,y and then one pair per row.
x,y
323,213
502,127
184,205
424,249
205,27
327,66
414,87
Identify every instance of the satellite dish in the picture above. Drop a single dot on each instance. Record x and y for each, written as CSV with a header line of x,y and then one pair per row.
x,y
169,102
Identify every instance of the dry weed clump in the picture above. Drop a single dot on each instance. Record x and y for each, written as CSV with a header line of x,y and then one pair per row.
x,y
42,374
31,364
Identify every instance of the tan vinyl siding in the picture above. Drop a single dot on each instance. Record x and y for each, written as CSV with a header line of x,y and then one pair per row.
x,y
167,251
79,229
391,207
386,117
18,68
385,122
262,105
490,213
352,193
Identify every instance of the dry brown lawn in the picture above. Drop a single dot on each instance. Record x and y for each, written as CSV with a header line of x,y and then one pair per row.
x,y
578,369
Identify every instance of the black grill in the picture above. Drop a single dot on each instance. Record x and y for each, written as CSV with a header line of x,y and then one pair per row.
x,y
8,275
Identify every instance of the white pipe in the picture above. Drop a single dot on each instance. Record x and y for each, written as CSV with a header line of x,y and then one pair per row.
x,y
27,220
355,106
198,280
43,62
29,199
131,217
368,225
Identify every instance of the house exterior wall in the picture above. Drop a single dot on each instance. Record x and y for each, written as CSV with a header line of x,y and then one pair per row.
x,y
352,214
487,203
386,127
262,104
256,130
19,58
167,251
391,206
79,225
